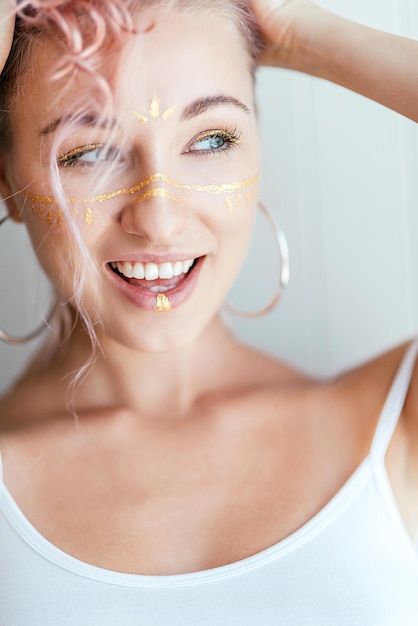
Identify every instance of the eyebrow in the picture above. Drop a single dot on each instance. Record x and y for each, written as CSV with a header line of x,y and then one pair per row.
x,y
201,105
84,120
194,109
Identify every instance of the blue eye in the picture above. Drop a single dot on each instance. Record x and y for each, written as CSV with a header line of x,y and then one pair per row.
x,y
90,154
210,143
214,141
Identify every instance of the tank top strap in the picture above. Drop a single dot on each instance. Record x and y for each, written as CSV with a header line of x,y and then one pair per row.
x,y
394,403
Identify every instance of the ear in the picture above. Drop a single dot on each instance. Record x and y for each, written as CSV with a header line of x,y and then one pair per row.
x,y
8,191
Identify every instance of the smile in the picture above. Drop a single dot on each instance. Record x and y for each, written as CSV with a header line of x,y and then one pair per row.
x,y
142,283
152,271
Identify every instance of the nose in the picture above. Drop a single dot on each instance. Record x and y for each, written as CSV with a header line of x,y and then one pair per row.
x,y
158,216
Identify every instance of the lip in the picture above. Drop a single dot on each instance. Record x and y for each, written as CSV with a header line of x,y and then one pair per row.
x,y
157,259
146,300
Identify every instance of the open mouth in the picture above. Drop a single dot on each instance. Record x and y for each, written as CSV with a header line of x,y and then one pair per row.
x,y
153,277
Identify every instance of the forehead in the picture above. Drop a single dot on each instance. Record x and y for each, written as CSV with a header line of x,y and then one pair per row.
x,y
181,54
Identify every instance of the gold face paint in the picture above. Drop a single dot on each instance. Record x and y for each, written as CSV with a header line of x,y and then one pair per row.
x,y
154,112
154,109
214,188
88,218
167,114
157,192
163,304
51,216
229,204
236,194
141,118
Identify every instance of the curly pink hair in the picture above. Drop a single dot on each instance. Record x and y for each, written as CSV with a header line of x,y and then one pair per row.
x,y
87,31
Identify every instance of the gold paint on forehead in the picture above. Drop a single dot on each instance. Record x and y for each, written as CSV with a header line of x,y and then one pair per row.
x,y
88,218
154,111
215,188
168,113
142,119
163,303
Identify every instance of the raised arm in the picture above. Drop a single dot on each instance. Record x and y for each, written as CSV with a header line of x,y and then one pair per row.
x,y
7,21
302,36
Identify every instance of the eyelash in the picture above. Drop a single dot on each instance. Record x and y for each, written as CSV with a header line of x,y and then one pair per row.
x,y
73,157
231,137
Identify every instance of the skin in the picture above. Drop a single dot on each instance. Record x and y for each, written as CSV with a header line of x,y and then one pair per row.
x,y
303,36
6,31
161,459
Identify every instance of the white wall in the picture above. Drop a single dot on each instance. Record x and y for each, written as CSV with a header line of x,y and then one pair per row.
x,y
341,175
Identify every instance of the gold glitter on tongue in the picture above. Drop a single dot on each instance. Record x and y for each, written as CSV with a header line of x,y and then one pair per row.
x,y
163,303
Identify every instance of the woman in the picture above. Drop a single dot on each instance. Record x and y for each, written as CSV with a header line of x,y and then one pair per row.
x,y
187,478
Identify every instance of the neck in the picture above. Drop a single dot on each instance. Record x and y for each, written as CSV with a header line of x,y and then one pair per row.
x,y
158,385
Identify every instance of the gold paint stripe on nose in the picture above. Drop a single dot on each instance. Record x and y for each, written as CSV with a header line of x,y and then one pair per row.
x,y
215,188
157,192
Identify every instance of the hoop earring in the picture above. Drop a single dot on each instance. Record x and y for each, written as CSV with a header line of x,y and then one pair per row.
x,y
16,341
283,275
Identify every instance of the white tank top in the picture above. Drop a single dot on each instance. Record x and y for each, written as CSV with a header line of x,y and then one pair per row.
x,y
352,564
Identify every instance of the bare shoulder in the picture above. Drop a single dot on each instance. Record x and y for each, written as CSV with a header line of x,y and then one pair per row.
x,y
351,401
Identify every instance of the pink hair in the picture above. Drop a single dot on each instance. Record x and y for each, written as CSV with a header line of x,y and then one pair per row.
x,y
87,31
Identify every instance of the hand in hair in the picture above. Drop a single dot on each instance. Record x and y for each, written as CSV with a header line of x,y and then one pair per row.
x,y
286,25
7,22
302,36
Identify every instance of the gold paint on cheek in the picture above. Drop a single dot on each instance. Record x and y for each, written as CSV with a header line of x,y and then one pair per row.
x,y
216,188
248,191
50,216
88,217
229,204
163,304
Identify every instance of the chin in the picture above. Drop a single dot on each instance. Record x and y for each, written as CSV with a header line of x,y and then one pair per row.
x,y
164,333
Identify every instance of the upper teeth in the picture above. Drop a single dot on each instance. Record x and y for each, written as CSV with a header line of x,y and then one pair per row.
x,y
152,271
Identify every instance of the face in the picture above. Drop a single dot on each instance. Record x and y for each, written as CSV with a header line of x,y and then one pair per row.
x,y
166,207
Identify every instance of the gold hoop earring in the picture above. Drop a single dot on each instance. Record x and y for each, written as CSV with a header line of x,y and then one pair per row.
x,y
16,341
284,273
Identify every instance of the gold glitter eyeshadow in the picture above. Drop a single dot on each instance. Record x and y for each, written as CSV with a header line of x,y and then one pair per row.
x,y
163,304
65,159
213,134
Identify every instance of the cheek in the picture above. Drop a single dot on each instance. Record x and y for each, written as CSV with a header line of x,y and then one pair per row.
x,y
54,243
